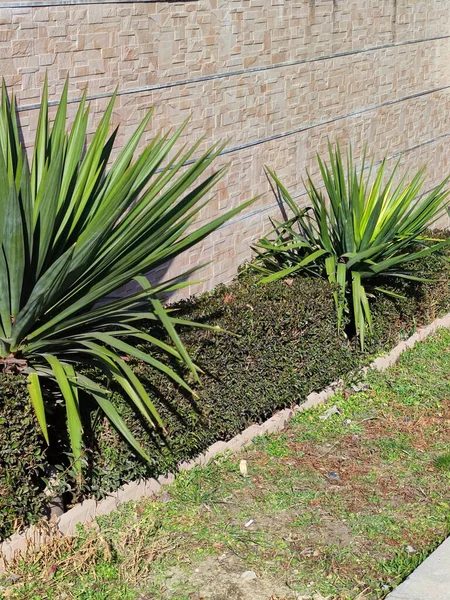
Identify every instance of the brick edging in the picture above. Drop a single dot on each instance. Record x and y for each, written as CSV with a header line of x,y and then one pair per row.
x,y
86,511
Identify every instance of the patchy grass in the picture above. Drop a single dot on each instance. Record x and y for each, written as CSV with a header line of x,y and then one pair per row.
x,y
442,462
344,508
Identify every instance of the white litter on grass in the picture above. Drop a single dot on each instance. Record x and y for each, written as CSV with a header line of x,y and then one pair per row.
x,y
249,575
333,410
243,468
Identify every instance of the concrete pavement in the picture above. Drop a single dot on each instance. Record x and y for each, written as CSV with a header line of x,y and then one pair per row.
x,y
430,581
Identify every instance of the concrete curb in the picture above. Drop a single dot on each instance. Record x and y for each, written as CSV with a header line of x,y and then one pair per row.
x,y
431,579
89,509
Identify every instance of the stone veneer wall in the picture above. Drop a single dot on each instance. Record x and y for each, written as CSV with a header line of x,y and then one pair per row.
x,y
275,77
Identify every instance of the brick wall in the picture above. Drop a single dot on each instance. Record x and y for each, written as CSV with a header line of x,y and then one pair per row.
x,y
275,77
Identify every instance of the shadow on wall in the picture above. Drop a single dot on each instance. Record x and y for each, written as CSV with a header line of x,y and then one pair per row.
x,y
156,277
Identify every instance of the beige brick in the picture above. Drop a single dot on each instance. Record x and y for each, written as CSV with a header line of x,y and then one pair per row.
x,y
140,45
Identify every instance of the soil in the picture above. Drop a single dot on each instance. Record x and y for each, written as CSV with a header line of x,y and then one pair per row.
x,y
222,579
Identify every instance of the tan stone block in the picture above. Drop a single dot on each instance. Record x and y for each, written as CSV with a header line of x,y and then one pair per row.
x,y
21,48
81,71
5,35
47,59
41,14
5,16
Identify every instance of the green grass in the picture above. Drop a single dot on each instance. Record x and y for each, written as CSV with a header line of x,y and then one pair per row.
x,y
442,462
345,507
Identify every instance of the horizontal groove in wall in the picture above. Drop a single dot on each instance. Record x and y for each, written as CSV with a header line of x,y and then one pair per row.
x,y
170,84
42,3
321,123
301,194
355,113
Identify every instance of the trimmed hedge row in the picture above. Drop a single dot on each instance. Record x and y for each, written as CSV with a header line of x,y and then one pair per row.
x,y
286,347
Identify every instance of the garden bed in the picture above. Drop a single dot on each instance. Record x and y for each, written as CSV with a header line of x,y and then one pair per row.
x,y
342,507
287,347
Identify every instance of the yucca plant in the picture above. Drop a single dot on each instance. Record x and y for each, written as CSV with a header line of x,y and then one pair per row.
x,y
361,228
74,229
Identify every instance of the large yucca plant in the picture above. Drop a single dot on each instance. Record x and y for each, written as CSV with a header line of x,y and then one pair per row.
x,y
73,229
360,229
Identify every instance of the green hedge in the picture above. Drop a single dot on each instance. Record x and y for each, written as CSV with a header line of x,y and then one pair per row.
x,y
276,359
22,457
287,346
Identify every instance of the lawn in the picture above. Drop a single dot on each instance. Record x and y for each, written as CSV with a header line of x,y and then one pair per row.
x,y
343,507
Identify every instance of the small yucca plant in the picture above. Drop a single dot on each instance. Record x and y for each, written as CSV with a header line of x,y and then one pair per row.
x,y
360,230
72,231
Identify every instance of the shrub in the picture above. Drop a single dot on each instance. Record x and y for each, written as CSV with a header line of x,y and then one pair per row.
x,y
359,234
287,347
72,231
274,361
22,457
